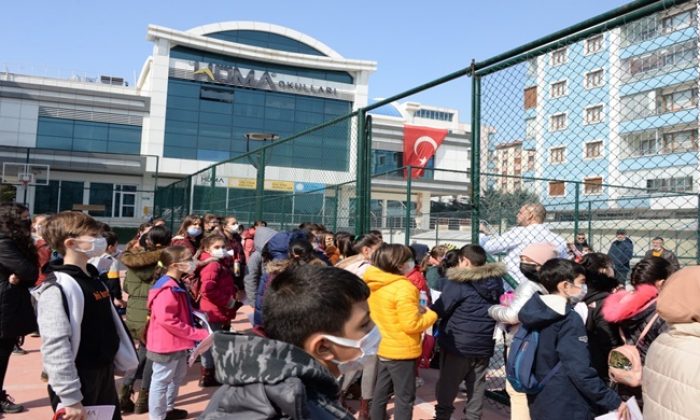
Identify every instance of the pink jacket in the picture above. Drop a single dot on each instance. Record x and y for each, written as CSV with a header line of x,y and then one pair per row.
x,y
216,290
170,326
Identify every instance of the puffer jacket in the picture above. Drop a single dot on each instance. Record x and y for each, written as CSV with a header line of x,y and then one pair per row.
x,y
393,303
269,379
671,371
140,265
356,264
509,314
216,290
17,316
465,328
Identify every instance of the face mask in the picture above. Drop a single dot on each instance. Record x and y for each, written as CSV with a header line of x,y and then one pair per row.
x,y
408,267
367,344
194,231
218,253
99,245
233,228
529,271
582,294
26,224
191,266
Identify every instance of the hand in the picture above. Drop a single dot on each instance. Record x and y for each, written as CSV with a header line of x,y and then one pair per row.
x,y
14,280
231,303
623,412
119,303
74,412
484,229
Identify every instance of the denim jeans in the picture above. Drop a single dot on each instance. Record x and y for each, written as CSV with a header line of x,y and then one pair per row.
x,y
165,383
207,357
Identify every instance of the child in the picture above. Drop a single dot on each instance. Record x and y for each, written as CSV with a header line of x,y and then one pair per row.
x,y
318,327
217,297
466,330
574,391
83,338
107,265
170,333
401,321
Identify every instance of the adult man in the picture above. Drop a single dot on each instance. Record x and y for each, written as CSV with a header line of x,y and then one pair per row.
x,y
530,230
621,251
658,250
581,242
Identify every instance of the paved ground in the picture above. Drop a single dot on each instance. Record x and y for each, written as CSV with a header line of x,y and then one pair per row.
x,y
24,385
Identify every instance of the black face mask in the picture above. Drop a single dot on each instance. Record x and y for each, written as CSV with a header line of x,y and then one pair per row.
x,y
26,224
529,271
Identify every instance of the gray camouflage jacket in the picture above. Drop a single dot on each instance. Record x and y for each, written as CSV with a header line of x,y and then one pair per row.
x,y
268,379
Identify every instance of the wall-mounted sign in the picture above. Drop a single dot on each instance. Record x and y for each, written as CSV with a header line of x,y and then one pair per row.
x,y
258,79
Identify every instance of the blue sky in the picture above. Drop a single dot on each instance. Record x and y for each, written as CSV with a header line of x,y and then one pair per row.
x,y
412,41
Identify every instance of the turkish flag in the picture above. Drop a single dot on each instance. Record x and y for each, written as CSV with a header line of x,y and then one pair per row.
x,y
419,145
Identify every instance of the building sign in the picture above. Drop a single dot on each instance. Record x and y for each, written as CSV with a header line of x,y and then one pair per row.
x,y
258,79
251,183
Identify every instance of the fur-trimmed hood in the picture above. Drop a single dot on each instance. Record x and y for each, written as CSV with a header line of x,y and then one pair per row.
x,y
468,274
624,305
141,259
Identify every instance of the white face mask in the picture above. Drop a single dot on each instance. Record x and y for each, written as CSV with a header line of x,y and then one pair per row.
x,y
579,297
233,228
99,245
369,344
194,231
189,269
408,266
218,253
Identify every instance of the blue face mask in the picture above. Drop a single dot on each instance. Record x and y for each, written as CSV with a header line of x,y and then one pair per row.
x,y
194,231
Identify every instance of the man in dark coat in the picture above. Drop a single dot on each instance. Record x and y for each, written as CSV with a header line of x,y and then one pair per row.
x,y
621,252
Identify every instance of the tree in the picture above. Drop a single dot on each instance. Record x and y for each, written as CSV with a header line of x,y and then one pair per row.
x,y
496,205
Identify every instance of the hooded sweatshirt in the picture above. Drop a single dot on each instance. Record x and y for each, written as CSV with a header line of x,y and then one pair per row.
x,y
265,378
465,327
254,264
393,303
575,391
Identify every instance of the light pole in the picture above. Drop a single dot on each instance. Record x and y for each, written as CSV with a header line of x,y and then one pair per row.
x,y
259,167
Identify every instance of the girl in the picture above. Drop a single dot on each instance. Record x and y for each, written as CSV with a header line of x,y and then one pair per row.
x,y
401,321
434,274
189,233
234,248
217,297
170,332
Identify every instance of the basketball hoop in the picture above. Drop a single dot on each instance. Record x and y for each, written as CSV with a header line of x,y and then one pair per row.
x,y
25,179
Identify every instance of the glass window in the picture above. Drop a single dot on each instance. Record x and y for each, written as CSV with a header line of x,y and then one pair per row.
x,y
530,128
101,194
678,101
594,114
594,79
594,149
557,122
680,141
593,44
218,95
87,136
557,154
558,57
46,198
71,193
558,89
593,185
86,130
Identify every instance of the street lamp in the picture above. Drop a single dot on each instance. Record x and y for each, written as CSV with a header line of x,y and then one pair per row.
x,y
259,167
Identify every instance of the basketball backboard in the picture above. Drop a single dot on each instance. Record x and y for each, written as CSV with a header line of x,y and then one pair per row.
x,y
25,174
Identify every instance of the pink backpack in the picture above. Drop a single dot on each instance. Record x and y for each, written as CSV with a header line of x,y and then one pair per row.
x,y
625,362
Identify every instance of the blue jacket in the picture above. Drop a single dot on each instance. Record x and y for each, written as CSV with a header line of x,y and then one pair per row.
x,y
466,329
576,391
621,253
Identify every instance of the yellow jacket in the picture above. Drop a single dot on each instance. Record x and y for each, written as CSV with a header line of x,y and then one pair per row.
x,y
394,307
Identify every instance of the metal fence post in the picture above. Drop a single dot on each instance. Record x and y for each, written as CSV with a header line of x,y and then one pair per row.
x,y
475,158
212,189
260,185
359,175
576,207
590,224
335,208
407,232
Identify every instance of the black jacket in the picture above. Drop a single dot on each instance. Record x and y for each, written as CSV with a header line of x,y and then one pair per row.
x,y
17,316
602,336
575,392
466,328
268,379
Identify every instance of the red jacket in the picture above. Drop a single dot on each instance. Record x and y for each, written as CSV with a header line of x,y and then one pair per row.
x,y
418,280
170,326
216,290
248,238
43,252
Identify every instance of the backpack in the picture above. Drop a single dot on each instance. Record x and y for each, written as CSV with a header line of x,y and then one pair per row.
x,y
521,361
625,362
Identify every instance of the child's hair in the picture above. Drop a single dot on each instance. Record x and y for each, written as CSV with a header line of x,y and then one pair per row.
x,y
593,264
436,253
170,255
210,240
301,250
451,260
158,220
310,299
110,237
229,217
259,223
377,233
390,257
14,227
474,253
556,271
367,240
650,270
69,224
189,220
157,237
343,241
210,217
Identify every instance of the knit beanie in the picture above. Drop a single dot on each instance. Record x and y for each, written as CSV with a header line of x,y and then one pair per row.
x,y
679,300
540,253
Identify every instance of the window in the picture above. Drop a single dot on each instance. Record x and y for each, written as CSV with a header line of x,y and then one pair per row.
x,y
219,95
594,149
530,97
558,89
678,21
88,136
101,194
124,201
594,79
593,185
557,122
594,114
434,115
676,184
680,141
532,67
530,160
557,154
558,57
675,57
593,44
677,101
656,25
530,128
557,189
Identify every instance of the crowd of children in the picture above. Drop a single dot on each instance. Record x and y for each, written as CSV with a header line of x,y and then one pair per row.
x,y
333,310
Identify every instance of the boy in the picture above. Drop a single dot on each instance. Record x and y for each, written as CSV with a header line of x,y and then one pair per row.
x,y
575,385
107,266
318,327
83,338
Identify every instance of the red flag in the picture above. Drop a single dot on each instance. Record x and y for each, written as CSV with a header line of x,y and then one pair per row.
x,y
419,145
